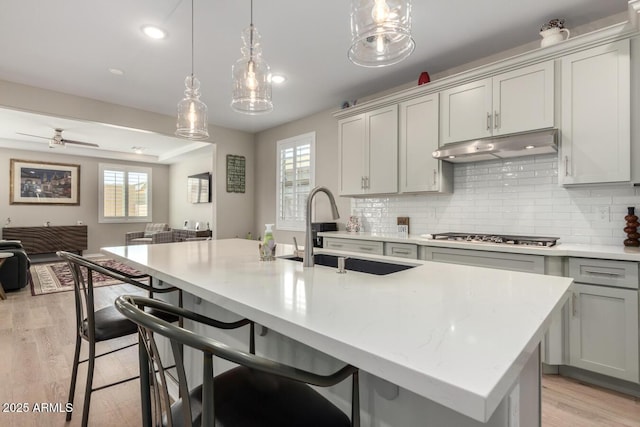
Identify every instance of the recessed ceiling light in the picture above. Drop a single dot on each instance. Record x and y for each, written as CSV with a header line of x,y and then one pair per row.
x,y
278,78
529,147
138,150
116,71
154,32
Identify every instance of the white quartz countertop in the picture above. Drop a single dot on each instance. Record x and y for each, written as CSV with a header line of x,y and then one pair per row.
x,y
562,249
457,335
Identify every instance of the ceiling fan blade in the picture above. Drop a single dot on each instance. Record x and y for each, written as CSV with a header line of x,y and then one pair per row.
x,y
88,144
35,136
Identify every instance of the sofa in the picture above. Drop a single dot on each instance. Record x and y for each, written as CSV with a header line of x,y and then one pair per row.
x,y
153,233
14,273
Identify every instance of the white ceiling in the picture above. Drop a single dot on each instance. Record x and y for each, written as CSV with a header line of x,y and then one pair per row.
x,y
69,45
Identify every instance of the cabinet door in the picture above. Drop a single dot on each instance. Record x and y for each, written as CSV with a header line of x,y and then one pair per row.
x,y
418,138
466,112
596,116
381,159
523,99
603,330
352,151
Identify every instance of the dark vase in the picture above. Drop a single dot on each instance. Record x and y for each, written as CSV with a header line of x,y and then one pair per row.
x,y
633,237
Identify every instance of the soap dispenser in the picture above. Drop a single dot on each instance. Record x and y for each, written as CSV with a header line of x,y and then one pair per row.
x,y
268,242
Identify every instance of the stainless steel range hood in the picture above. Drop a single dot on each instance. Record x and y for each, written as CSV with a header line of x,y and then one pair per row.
x,y
514,145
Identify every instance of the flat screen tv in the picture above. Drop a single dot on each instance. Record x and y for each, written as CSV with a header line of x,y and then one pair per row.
x,y
199,188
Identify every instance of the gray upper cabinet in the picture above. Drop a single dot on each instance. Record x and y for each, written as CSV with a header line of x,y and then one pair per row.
x,y
596,128
516,101
418,139
368,146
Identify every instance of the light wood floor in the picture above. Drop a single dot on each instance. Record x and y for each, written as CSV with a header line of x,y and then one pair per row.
x,y
36,351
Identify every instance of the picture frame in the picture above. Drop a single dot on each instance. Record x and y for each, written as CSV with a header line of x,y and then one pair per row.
x,y
236,170
34,182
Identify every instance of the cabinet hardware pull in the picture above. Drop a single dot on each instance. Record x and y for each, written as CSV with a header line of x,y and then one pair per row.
x,y
435,173
337,245
366,182
574,304
365,248
496,120
488,121
602,273
566,165
362,182
401,251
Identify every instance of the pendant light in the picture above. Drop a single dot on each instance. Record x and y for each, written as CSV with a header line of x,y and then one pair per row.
x,y
192,113
251,76
380,32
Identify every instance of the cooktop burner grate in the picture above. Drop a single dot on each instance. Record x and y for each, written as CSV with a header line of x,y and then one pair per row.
x,y
498,238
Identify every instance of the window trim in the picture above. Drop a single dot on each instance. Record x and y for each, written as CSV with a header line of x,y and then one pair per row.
x,y
306,138
126,169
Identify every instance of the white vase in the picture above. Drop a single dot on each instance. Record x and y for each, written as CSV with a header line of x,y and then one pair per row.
x,y
553,35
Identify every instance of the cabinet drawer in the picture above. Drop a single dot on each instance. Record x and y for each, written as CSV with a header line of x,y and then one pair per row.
x,y
351,245
402,250
622,274
500,260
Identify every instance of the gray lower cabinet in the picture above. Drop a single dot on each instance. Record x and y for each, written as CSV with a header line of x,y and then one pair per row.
x,y
501,260
354,245
603,317
401,250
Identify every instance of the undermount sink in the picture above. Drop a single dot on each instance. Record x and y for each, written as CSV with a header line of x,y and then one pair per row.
x,y
379,268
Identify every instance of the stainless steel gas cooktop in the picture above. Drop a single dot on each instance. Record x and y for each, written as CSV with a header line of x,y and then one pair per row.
x,y
498,238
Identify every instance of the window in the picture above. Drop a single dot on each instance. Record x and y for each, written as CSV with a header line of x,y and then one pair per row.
x,y
125,193
295,180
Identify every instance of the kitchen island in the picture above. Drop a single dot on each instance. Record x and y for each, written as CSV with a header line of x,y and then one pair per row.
x,y
461,341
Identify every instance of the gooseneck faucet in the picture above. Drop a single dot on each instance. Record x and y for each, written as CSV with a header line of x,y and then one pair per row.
x,y
308,242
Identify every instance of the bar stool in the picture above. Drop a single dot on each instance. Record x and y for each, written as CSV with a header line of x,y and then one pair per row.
x,y
94,326
258,393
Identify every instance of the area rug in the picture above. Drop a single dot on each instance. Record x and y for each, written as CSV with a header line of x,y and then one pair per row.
x,y
48,278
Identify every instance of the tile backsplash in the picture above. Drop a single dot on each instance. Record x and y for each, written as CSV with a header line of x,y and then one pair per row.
x,y
516,196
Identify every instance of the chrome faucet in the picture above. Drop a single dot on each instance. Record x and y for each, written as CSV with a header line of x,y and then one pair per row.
x,y
308,245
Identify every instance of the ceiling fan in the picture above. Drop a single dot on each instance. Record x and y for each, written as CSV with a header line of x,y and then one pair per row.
x,y
58,141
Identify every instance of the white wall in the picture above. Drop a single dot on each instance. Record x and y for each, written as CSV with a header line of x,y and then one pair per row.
x,y
326,171
180,209
99,235
234,212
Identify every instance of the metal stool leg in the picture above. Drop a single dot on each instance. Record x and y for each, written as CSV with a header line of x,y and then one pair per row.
x,y
74,375
88,389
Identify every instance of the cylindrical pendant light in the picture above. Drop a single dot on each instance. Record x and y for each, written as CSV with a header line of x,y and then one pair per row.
x,y
251,76
381,32
192,113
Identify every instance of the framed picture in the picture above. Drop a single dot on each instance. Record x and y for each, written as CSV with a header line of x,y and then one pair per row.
x,y
235,173
43,183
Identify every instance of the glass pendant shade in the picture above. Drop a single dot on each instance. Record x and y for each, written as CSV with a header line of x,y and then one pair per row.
x,y
380,32
251,77
192,113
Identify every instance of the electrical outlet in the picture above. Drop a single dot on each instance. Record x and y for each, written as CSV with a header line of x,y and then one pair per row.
x,y
604,213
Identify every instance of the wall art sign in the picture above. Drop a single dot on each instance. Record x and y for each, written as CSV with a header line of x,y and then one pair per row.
x,y
235,173
43,183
